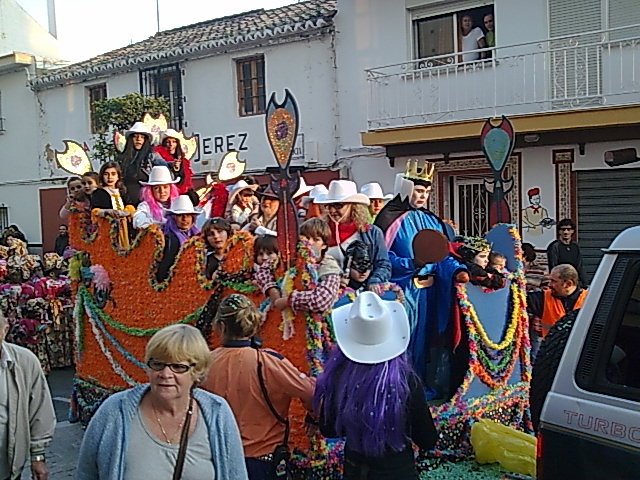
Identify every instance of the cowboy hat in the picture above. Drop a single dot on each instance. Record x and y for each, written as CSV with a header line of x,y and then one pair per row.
x,y
183,205
302,189
268,193
343,191
171,133
371,330
160,175
319,191
139,127
238,187
373,190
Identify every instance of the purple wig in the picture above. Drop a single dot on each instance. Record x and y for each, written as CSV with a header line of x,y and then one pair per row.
x,y
146,195
368,402
183,236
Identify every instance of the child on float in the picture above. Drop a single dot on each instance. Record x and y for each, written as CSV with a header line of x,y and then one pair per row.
x,y
156,195
474,252
111,199
170,149
215,232
180,226
265,248
90,182
369,393
315,233
76,198
498,262
242,203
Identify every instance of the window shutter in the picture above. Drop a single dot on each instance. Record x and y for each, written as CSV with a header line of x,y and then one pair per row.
x,y
623,13
569,17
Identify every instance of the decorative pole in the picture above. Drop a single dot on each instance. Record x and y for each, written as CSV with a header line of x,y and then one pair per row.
x,y
497,144
281,122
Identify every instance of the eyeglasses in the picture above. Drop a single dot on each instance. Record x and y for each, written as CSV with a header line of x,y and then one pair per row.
x,y
337,206
566,229
158,366
247,194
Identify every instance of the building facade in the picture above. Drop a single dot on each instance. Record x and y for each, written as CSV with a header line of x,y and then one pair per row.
x,y
218,76
563,71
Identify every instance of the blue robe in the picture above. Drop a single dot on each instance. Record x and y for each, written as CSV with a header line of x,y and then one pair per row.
x,y
428,309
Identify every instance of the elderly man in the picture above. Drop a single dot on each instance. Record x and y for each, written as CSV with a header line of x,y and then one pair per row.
x,y
549,305
27,418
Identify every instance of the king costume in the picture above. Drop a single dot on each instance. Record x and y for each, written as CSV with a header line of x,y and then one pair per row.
x,y
429,309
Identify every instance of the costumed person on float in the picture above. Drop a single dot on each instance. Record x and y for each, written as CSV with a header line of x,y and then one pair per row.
x,y
171,151
136,160
474,252
428,287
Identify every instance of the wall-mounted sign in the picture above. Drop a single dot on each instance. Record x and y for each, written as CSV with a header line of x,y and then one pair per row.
x,y
218,144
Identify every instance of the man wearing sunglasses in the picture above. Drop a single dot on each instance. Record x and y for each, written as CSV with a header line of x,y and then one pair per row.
x,y
565,250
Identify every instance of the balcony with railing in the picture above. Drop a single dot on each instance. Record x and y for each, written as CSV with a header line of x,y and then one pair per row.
x,y
590,70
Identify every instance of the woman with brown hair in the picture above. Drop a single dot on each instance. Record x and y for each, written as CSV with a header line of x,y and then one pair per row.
x,y
258,383
348,218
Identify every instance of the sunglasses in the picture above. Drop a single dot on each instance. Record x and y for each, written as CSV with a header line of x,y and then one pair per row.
x,y
158,366
566,229
336,206
247,194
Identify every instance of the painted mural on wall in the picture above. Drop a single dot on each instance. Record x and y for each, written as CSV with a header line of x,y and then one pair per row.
x,y
536,222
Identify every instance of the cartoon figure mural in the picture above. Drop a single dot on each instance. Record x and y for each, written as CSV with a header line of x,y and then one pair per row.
x,y
535,217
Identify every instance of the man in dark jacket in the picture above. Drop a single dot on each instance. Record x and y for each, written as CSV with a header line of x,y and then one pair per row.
x,y
62,240
565,251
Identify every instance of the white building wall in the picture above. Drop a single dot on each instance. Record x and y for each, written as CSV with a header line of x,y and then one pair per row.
x,y
49,116
21,33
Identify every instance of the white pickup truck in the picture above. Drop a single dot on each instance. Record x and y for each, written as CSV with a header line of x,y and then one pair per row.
x,y
585,390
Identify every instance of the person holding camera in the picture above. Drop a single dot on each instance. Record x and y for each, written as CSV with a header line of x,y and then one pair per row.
x,y
259,384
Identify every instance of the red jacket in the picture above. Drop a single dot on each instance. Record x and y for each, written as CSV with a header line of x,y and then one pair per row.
x,y
185,184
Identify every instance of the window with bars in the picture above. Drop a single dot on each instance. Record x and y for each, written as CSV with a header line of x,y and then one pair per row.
x,y
2,126
4,217
251,86
165,81
96,93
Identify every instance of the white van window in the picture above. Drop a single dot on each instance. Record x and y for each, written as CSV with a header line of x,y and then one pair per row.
x,y
625,354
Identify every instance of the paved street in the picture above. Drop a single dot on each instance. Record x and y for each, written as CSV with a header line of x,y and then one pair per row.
x,y
63,451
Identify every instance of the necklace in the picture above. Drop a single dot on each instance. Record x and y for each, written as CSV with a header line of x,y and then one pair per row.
x,y
168,439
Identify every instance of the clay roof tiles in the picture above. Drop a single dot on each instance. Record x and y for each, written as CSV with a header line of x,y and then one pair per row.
x,y
211,37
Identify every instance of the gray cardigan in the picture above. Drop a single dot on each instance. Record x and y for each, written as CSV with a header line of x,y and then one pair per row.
x,y
105,442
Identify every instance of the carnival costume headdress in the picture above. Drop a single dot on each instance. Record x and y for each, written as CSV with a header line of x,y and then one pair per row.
x,y
417,174
469,247
414,175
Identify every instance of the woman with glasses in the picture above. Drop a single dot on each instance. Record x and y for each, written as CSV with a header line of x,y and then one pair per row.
x,y
348,218
168,424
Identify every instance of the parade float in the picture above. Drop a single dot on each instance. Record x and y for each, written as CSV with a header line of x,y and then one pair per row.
x,y
119,305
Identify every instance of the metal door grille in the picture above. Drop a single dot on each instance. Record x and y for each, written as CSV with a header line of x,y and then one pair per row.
x,y
472,209
165,81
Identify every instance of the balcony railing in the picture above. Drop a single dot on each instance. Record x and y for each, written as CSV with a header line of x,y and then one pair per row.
x,y
566,73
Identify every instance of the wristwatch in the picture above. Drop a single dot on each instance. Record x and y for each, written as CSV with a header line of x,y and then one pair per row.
x,y
37,458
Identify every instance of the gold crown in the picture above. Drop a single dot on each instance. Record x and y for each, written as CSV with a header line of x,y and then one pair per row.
x,y
415,172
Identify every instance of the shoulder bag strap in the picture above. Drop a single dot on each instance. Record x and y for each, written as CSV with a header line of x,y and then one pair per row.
x,y
265,394
184,438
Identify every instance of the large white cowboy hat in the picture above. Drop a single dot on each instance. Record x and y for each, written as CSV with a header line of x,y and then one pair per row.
x,y
317,192
183,205
373,190
139,127
160,175
238,187
371,330
302,189
343,191
171,133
